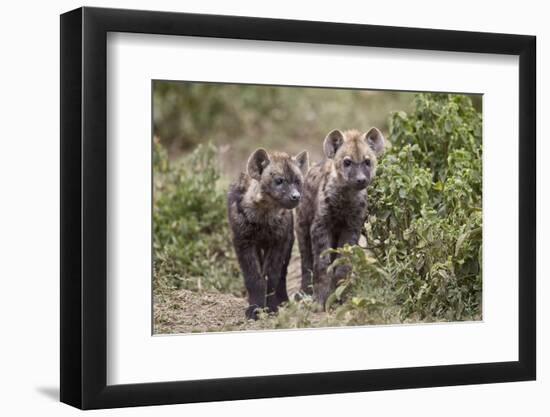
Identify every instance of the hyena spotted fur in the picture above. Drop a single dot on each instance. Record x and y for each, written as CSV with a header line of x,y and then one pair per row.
x,y
260,207
334,205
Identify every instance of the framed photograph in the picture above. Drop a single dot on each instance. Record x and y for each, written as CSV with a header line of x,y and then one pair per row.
x,y
260,208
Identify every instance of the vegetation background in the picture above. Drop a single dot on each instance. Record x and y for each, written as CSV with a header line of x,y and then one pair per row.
x,y
420,257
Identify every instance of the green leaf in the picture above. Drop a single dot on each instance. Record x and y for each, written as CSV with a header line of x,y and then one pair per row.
x,y
339,291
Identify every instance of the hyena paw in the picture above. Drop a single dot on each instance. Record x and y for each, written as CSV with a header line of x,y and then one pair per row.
x,y
252,311
321,300
273,306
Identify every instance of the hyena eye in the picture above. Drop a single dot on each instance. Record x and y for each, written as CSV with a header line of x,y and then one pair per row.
x,y
278,181
347,162
367,162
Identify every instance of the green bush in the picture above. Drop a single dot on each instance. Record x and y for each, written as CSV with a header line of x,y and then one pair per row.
x,y
192,245
424,230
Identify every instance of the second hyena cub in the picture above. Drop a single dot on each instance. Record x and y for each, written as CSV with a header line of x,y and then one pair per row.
x,y
260,215
334,206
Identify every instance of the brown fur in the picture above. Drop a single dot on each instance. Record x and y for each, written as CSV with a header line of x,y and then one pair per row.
x,y
334,205
260,207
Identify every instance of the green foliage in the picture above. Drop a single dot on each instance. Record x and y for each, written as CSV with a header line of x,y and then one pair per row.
x,y
360,301
424,230
192,248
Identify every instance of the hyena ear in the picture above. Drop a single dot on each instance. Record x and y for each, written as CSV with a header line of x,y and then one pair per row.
x,y
302,160
257,163
375,140
332,142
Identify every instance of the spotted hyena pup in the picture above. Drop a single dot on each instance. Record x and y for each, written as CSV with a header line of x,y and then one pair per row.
x,y
334,205
260,207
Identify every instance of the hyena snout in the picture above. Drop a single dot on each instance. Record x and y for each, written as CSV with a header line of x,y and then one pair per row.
x,y
292,200
295,195
291,197
361,182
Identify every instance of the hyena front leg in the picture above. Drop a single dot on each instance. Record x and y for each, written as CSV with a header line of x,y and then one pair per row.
x,y
306,258
281,291
253,280
349,237
322,282
275,269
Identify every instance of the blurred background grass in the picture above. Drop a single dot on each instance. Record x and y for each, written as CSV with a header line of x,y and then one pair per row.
x,y
239,118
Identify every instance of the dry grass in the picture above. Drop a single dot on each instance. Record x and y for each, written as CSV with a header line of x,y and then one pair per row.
x,y
184,311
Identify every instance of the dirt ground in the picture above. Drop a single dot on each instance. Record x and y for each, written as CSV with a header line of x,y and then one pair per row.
x,y
185,311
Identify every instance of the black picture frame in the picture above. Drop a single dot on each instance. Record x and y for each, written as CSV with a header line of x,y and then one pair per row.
x,y
84,207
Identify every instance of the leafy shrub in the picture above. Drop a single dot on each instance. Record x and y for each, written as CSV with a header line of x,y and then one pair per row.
x,y
192,245
424,230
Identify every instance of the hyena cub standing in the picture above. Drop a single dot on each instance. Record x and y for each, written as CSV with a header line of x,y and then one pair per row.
x,y
334,206
260,214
